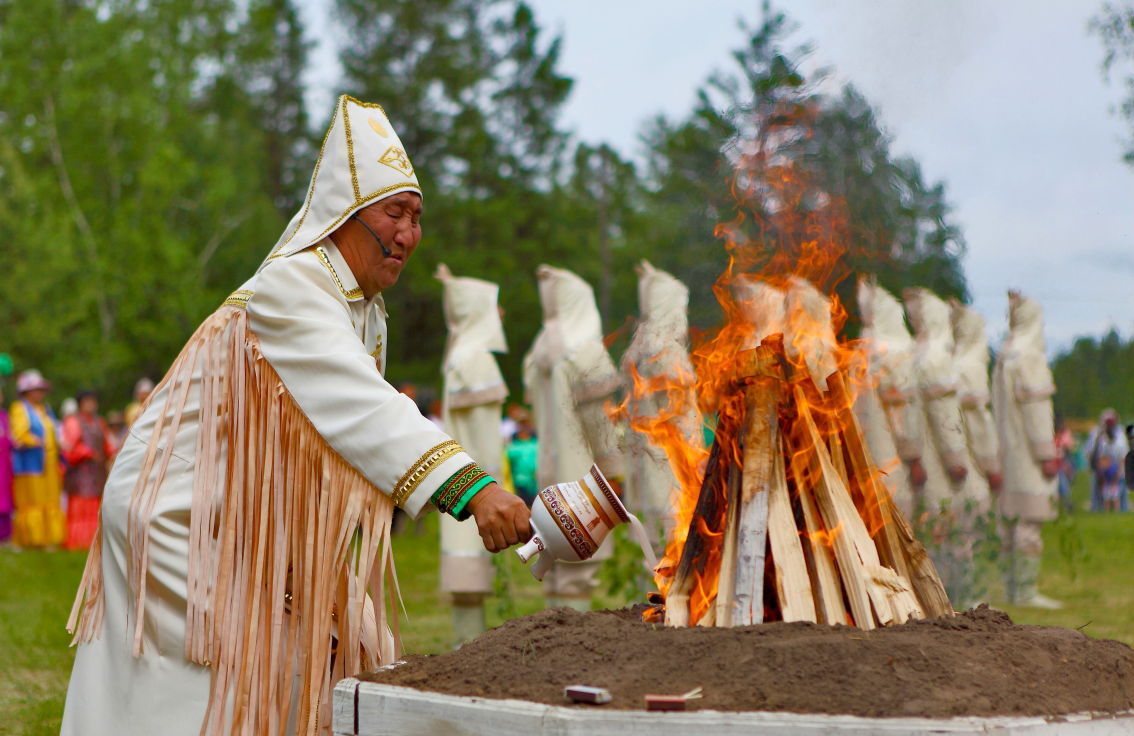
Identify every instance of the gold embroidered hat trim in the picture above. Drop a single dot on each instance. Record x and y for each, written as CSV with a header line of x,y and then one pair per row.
x,y
400,163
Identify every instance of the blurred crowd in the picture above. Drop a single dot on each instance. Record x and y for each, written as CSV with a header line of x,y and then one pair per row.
x,y
53,465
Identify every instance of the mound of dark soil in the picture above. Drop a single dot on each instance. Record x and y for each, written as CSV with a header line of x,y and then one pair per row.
x,y
976,663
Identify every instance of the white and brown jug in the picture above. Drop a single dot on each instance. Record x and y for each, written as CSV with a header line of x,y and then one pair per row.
x,y
570,520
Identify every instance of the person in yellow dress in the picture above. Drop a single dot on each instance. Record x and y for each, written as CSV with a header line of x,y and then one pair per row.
x,y
37,486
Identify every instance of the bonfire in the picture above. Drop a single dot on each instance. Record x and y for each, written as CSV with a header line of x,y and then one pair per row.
x,y
785,517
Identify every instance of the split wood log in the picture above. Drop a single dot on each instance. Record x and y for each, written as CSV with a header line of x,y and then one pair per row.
x,y
826,586
726,581
864,475
793,584
696,545
897,545
761,446
848,536
855,550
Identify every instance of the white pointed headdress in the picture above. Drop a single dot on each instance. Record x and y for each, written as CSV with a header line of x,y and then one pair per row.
x,y
361,162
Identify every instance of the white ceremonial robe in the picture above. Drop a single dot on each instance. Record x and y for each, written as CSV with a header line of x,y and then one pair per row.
x,y
970,356
568,377
471,405
884,406
1022,391
662,394
327,344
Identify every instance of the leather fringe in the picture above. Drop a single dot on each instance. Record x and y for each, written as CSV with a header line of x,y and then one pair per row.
x,y
286,540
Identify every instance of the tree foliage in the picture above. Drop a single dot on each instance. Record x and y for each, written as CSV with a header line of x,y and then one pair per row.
x,y
152,150
1095,374
1115,27
896,224
137,179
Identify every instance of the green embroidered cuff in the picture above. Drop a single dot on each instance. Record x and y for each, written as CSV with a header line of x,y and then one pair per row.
x,y
455,493
458,511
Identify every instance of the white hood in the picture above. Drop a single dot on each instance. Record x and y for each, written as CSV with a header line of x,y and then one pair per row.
x,y
361,162
471,374
933,333
663,302
570,316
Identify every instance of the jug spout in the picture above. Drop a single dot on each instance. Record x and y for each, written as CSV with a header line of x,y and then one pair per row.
x,y
530,548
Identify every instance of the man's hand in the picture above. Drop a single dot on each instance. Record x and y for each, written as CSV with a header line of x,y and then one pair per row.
x,y
501,518
1050,467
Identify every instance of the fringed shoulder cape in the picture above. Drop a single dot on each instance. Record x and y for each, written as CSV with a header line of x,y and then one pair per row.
x,y
287,535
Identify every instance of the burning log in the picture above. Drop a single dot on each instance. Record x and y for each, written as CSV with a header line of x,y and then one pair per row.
x,y
791,479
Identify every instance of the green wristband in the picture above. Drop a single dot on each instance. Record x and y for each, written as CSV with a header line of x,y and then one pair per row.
x,y
458,510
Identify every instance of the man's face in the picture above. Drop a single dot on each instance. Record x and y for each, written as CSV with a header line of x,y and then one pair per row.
x,y
397,221
88,405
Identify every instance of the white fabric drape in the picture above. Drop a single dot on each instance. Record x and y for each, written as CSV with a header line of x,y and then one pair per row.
x,y
1022,391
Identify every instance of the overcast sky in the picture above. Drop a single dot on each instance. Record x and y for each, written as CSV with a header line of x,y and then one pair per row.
x,y
1003,101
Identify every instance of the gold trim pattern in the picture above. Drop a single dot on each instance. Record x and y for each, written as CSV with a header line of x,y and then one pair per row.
x,y
425,465
397,160
568,523
611,496
350,153
238,298
355,293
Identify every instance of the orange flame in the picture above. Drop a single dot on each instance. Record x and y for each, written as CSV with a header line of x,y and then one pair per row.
x,y
788,237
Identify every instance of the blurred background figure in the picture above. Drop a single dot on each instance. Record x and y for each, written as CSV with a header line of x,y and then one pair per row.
x,y
568,377
889,410
116,423
88,447
1065,452
37,486
1025,417
1106,450
69,407
142,390
473,397
5,474
659,382
523,454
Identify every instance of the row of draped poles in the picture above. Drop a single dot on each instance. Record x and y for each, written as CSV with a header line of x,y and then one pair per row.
x,y
969,460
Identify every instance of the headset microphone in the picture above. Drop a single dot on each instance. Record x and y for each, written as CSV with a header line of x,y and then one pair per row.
x,y
385,251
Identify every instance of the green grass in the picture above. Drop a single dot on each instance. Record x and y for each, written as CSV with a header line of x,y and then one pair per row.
x,y
1088,564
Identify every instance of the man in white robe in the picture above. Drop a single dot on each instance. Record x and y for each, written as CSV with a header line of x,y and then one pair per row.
x,y
247,516
568,379
1021,399
660,398
472,398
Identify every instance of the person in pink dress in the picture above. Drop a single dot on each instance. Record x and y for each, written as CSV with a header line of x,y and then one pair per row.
x,y
5,474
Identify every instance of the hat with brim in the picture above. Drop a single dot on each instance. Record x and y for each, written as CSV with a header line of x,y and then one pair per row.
x,y
31,380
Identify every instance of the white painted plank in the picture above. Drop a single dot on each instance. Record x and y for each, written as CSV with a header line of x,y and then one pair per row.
x,y
388,710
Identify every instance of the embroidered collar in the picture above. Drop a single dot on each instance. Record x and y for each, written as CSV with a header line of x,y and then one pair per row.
x,y
336,265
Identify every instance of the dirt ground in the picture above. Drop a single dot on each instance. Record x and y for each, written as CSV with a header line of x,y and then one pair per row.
x,y
977,663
